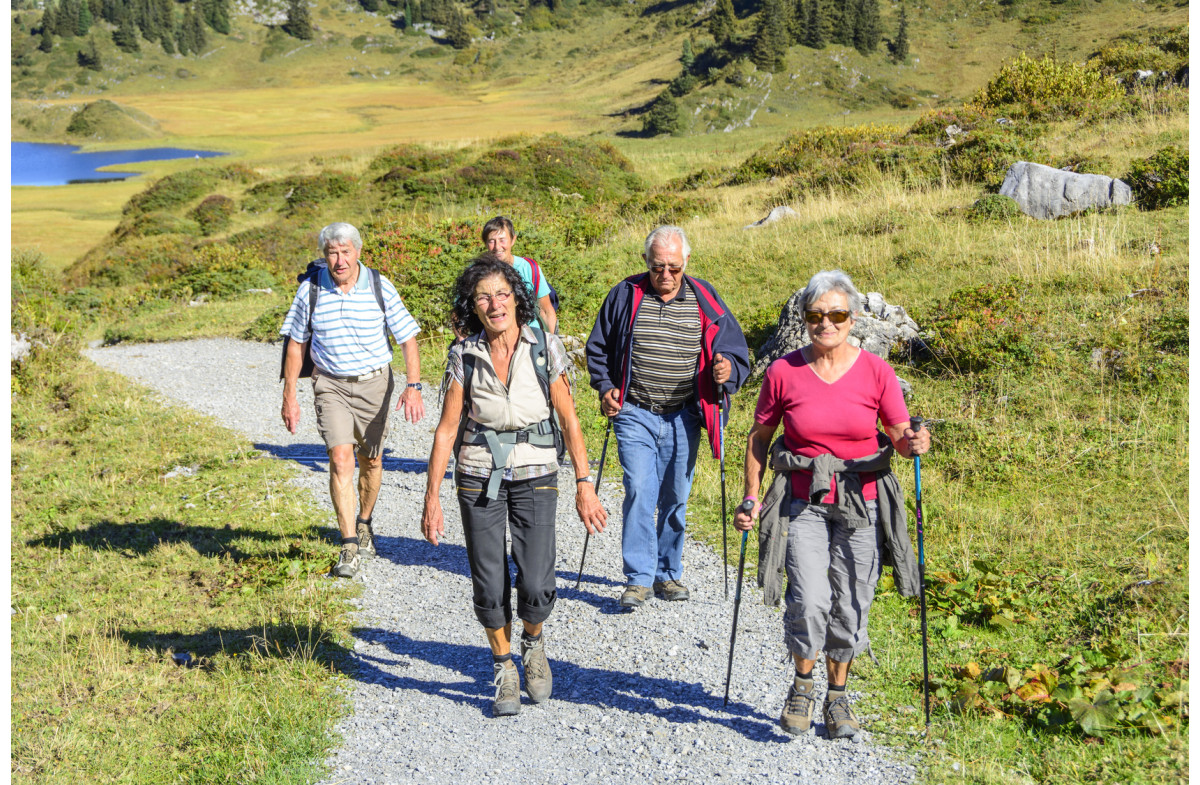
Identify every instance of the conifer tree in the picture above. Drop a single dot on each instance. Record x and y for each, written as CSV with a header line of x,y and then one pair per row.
x,y
815,28
770,38
83,22
866,29
47,42
687,57
216,15
66,19
663,117
456,30
844,23
798,23
298,24
899,47
722,23
89,56
197,38
168,42
125,36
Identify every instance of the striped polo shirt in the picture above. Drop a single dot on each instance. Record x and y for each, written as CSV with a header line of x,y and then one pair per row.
x,y
347,328
665,350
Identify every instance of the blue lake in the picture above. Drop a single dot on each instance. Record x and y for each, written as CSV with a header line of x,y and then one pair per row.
x,y
34,163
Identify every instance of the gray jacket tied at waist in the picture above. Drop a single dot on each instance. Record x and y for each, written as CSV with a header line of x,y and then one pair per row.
x,y
851,508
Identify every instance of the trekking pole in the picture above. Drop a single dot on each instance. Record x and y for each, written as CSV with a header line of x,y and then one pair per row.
x,y
724,512
747,507
917,422
599,473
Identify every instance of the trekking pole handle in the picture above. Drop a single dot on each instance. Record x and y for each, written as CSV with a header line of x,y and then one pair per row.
x,y
917,423
747,506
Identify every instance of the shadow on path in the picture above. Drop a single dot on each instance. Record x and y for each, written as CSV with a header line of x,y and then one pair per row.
x,y
676,701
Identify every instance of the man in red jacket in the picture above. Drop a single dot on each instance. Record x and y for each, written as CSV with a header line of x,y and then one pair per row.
x,y
665,354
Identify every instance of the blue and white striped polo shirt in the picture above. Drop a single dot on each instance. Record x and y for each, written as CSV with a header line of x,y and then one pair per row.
x,y
347,328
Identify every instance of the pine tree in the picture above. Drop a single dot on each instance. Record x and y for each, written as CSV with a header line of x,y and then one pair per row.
x,y
722,23
47,42
770,38
167,42
83,22
125,36
298,24
456,30
815,27
194,26
798,23
687,57
89,56
66,19
663,117
216,15
899,47
370,6
866,29
844,24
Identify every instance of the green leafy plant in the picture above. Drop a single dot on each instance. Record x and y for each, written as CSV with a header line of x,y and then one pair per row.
x,y
982,327
994,207
1160,180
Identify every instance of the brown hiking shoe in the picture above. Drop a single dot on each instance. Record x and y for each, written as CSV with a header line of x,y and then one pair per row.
x,y
366,537
671,591
508,690
538,681
798,708
634,596
840,722
347,565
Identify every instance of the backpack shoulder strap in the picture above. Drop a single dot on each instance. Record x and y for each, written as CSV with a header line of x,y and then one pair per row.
x,y
536,273
541,364
314,289
377,287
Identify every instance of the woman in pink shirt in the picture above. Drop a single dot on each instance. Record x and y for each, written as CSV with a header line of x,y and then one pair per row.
x,y
831,397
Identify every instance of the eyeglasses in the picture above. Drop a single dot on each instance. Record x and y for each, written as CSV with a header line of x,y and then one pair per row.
x,y
658,269
499,297
835,317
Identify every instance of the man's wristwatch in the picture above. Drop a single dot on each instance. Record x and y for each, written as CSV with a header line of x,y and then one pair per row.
x,y
415,385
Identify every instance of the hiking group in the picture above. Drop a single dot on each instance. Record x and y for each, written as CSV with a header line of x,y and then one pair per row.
x,y
665,354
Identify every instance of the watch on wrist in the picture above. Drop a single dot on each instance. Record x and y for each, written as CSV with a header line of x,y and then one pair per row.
x,y
415,386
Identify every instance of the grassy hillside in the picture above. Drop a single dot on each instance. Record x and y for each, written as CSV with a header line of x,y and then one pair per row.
x,y
1056,373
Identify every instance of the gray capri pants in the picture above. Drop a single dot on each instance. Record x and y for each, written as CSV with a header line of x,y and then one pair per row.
x,y
526,508
832,571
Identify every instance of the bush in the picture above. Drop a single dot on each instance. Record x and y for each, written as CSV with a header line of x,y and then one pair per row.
x,y
980,328
663,117
265,328
172,192
1048,88
221,272
985,157
213,214
1160,180
994,207
666,207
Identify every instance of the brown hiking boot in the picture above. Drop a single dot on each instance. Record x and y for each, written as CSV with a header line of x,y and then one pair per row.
x,y
366,537
538,681
508,690
798,708
348,561
671,591
634,596
840,722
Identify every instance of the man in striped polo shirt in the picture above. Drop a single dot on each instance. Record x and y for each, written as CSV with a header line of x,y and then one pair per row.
x,y
665,354
352,381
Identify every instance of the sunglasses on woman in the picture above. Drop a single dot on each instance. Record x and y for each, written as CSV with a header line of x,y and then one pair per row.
x,y
835,317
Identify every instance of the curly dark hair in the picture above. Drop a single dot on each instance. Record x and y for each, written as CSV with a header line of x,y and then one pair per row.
x,y
463,318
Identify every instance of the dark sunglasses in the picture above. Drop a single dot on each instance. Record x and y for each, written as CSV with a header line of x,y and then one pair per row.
x,y
835,317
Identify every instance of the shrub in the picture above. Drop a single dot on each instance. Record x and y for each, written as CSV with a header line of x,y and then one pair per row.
x,y
318,189
213,214
1048,88
152,224
1160,180
265,327
222,272
172,191
994,207
985,156
663,117
666,207
983,327
414,158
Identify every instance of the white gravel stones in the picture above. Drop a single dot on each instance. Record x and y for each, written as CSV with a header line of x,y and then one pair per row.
x,y
637,696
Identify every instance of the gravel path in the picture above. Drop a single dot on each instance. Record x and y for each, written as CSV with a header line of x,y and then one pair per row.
x,y
637,696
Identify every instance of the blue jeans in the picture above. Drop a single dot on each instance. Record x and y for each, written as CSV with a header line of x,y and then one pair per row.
x,y
658,456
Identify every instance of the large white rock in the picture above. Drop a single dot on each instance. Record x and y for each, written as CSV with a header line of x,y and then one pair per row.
x,y
1045,192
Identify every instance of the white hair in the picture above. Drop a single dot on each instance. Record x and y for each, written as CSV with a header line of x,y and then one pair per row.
x,y
338,232
661,234
831,281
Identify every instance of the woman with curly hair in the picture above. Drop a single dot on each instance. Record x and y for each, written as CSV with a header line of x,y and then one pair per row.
x,y
496,416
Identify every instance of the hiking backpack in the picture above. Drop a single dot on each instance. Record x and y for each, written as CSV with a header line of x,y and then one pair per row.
x,y
312,275
536,274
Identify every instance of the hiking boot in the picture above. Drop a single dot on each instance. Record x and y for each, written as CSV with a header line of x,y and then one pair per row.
x,y
366,537
840,722
508,690
538,681
347,565
798,708
671,591
634,596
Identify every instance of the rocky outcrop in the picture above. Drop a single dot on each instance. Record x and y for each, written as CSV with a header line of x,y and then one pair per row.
x,y
1045,192
776,214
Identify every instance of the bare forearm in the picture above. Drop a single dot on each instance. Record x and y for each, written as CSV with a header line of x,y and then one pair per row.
x,y
412,360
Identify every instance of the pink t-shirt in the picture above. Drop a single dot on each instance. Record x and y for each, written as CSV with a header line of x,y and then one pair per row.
x,y
840,418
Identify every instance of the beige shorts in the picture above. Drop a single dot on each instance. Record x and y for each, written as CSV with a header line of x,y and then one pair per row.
x,y
354,412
